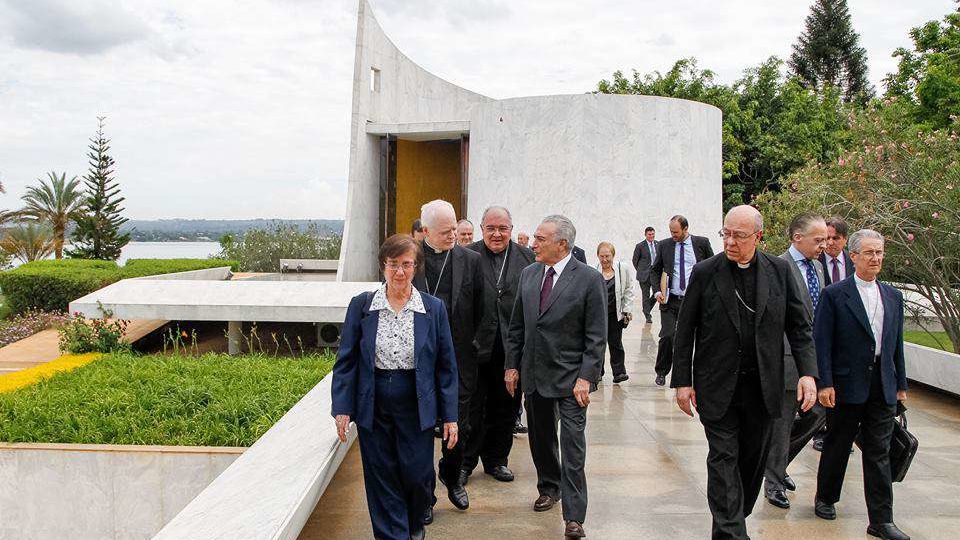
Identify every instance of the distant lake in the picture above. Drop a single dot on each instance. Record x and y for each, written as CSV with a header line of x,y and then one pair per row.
x,y
168,250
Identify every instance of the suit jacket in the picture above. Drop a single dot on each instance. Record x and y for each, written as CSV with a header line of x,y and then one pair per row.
x,y
623,286
666,249
828,277
497,305
706,353
567,341
579,255
352,387
467,306
642,261
790,375
846,348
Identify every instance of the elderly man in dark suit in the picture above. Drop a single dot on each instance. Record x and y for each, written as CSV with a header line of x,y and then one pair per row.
x,y
493,410
676,256
555,347
859,336
452,273
808,235
644,254
728,362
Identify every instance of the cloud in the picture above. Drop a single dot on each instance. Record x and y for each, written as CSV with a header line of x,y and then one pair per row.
x,y
81,27
456,12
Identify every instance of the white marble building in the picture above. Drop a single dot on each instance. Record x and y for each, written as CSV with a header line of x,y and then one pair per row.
x,y
613,164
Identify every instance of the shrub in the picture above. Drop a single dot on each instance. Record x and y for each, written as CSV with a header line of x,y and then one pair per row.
x,y
152,267
81,335
260,250
23,326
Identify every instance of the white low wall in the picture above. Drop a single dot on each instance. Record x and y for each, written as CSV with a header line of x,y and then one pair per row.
x,y
57,491
271,490
932,367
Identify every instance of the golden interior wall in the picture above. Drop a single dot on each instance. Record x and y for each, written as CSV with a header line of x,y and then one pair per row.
x,y
426,171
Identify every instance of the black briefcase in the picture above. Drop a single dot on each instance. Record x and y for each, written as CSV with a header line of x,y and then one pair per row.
x,y
903,445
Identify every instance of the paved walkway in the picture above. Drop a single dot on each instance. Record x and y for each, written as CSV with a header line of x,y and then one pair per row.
x,y
646,475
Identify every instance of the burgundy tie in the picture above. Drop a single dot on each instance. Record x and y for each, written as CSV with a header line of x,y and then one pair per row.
x,y
547,287
836,271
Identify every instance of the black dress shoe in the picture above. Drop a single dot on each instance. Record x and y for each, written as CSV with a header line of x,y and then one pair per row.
x,y
660,380
519,427
818,445
501,473
649,320
620,378
458,496
419,534
428,516
778,498
824,510
887,531
544,503
464,477
789,484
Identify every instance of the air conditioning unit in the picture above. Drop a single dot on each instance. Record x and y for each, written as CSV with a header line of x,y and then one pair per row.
x,y
328,334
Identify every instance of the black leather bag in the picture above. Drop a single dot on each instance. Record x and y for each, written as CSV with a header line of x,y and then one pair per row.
x,y
903,446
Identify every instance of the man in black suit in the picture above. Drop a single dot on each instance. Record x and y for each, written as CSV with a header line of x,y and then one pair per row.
x,y
493,409
644,254
555,347
579,255
837,264
859,336
453,274
676,256
808,234
728,362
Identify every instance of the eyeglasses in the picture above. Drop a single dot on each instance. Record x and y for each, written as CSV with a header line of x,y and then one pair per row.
x,y
726,233
505,229
871,254
407,266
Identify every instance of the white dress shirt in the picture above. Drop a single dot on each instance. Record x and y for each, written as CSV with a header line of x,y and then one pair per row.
x,y
873,304
841,265
557,268
801,261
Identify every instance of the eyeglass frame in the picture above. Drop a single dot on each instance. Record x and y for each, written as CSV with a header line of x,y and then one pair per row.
x,y
738,236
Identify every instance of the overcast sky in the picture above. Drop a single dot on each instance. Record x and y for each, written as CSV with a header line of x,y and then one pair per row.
x,y
241,109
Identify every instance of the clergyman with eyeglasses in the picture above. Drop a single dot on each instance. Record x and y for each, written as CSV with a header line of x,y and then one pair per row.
x,y
728,362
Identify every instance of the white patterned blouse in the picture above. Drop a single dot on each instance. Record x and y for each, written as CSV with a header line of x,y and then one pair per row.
x,y
395,330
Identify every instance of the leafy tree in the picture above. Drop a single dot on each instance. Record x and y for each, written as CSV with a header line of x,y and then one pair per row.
x,y
260,250
827,53
28,241
928,77
97,235
56,202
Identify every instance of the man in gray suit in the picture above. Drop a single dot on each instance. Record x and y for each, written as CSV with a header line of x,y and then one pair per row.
x,y
644,253
808,236
555,346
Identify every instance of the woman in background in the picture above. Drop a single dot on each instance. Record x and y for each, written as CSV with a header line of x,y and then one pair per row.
x,y
619,280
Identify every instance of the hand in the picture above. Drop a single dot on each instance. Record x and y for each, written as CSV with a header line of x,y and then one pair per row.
x,y
659,297
687,399
510,377
343,425
628,316
827,397
806,392
901,395
450,430
581,391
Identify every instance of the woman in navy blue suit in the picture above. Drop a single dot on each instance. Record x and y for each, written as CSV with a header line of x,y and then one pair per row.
x,y
395,375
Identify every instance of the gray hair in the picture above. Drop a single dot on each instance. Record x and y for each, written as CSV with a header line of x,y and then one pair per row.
x,y
802,223
565,229
857,238
495,208
433,210
467,221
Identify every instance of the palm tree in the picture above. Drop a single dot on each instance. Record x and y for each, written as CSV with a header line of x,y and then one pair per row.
x,y
57,202
29,242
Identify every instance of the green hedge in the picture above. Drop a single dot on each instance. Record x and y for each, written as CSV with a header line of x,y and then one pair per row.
x,y
52,285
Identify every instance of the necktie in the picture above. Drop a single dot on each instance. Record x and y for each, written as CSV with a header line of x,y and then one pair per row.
x,y
836,271
547,287
813,284
683,271
653,251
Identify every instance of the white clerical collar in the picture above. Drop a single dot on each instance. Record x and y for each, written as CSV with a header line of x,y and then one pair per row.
x,y
435,250
862,283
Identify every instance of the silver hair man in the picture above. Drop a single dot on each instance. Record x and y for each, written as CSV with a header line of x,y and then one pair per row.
x,y
565,229
857,238
431,212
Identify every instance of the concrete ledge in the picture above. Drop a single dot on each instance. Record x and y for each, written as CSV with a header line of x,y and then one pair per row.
x,y
205,274
312,265
932,367
271,490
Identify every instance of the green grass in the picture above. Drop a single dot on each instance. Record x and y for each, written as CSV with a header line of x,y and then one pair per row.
x,y
211,400
936,340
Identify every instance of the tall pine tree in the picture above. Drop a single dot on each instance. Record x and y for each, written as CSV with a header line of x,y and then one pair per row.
x,y
828,53
97,235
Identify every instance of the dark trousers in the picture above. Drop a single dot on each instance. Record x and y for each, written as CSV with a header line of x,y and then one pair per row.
x,y
873,420
790,434
646,300
560,479
493,413
615,345
451,460
668,327
397,458
738,446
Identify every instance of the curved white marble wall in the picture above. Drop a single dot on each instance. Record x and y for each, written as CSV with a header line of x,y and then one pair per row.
x,y
613,164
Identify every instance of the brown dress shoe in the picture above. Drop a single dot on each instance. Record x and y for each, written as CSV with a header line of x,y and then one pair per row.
x,y
574,530
544,503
